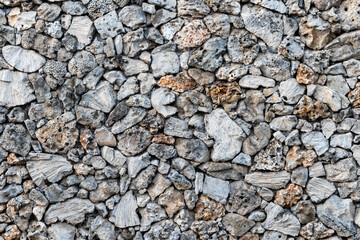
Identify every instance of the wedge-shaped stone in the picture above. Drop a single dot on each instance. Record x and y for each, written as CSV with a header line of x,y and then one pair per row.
x,y
47,167
125,212
319,189
82,28
72,211
23,60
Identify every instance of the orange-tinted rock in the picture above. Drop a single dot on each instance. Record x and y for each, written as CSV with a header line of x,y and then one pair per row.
x,y
207,209
153,121
172,200
305,75
221,93
192,35
88,141
12,234
297,156
162,138
12,159
289,196
310,110
180,83
354,96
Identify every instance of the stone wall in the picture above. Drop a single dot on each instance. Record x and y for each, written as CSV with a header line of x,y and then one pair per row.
x,y
179,119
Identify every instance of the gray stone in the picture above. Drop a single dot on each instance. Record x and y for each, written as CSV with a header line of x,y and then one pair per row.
x,y
284,123
291,91
335,100
160,98
132,16
272,180
134,140
125,212
134,43
209,56
162,16
104,191
48,167
162,151
164,54
315,140
133,66
342,171
292,48
319,189
216,189
82,63
271,158
273,66
236,224
281,220
341,140
192,149
82,28
48,12
254,82
134,116
16,139
242,46
264,24
338,214
227,134
72,211
62,231
151,213
177,128
103,229
108,25
9,192
193,8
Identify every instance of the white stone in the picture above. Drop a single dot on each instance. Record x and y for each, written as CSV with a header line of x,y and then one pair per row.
x,y
319,189
216,189
82,28
254,82
291,91
315,140
23,60
125,212
21,21
102,98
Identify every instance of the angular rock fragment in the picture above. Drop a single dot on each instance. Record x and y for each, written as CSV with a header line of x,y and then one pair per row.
x,y
264,24
272,180
319,189
315,140
273,66
16,139
227,134
82,28
254,82
242,46
216,189
192,149
160,98
315,31
108,25
125,212
134,140
72,211
236,224
192,35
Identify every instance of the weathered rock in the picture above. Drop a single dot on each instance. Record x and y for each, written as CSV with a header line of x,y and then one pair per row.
x,y
48,167
289,196
21,59
82,28
310,110
291,91
180,83
192,149
103,229
272,180
134,116
194,8
108,25
315,140
264,24
72,211
335,100
172,200
342,171
218,24
242,46
338,214
208,209
102,98
243,198
292,48
104,190
225,94
163,54
236,224
48,12
160,98
315,31
273,66
209,56
9,192
216,189
227,134
319,189
281,220
60,231
59,135
192,35
151,213
344,47
271,158
305,211
16,139
134,140
125,212
297,156
254,82
348,15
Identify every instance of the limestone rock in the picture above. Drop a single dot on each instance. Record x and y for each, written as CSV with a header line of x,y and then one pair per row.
x,y
254,82
180,83
132,16
242,46
164,54
134,140
236,224
344,47
315,31
160,98
216,189
192,149
272,180
227,134
311,110
82,63
264,24
82,28
291,91
21,20
172,200
62,231
125,212
319,189
297,156
208,209
102,98
48,12
273,66
59,135
342,171
315,140
192,35
48,167
9,192
281,220
271,158
225,94
16,139
289,196
21,59
338,214
348,15
106,22
72,211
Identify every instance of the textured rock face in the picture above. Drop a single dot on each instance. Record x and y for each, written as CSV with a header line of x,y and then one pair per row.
x,y
179,120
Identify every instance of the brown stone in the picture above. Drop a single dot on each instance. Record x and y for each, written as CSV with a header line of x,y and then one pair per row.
x,y
180,83
12,159
249,236
105,138
59,135
192,35
305,211
289,196
172,200
310,110
316,230
162,138
297,156
305,75
354,96
12,234
224,93
88,141
207,209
